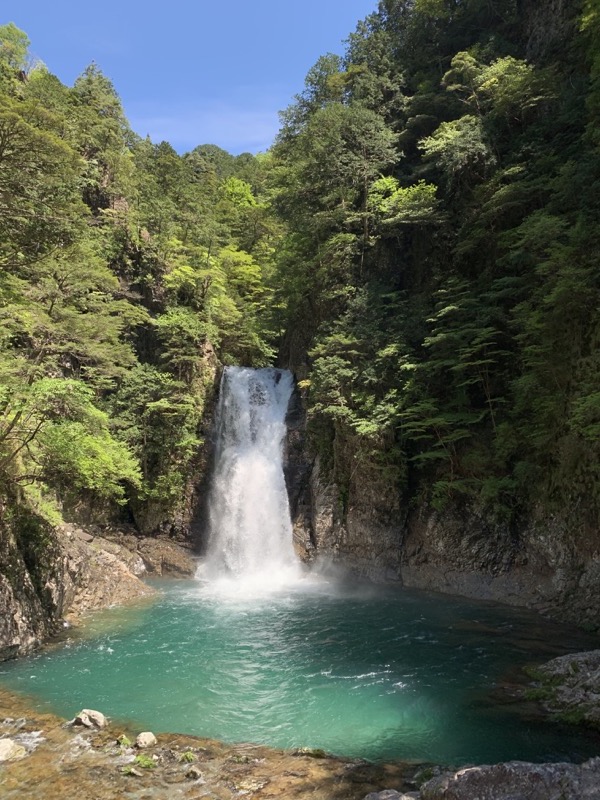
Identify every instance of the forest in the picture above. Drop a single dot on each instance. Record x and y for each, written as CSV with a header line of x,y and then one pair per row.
x,y
420,245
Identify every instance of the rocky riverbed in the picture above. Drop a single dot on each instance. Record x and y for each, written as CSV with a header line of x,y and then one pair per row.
x,y
43,755
54,759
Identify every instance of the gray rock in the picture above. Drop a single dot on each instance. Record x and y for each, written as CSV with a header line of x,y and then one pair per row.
x,y
390,794
518,780
574,685
194,773
90,718
11,751
162,557
145,739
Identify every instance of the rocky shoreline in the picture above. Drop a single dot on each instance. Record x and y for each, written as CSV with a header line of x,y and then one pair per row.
x,y
568,688
66,572
57,759
41,754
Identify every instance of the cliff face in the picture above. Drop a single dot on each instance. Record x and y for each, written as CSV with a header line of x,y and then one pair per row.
x,y
549,563
547,25
49,573
30,598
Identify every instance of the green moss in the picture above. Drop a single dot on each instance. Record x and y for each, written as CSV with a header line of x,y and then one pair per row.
x,y
536,674
540,694
572,716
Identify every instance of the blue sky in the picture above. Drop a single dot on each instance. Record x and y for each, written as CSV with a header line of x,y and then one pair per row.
x,y
192,72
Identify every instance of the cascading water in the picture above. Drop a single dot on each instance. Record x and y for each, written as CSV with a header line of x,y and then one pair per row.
x,y
250,531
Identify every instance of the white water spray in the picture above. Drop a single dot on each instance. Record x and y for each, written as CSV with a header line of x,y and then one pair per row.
x,y
250,531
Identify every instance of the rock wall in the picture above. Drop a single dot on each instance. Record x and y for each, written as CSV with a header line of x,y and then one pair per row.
x,y
548,25
547,563
360,525
29,603
48,574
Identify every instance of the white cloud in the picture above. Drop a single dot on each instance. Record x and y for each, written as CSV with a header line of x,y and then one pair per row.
x,y
233,127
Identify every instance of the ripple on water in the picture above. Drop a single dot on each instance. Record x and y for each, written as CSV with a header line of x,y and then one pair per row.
x,y
374,674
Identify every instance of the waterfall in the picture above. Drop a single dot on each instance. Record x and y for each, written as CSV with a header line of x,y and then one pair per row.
x,y
250,531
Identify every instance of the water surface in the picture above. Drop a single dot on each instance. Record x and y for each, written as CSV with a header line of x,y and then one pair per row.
x,y
358,671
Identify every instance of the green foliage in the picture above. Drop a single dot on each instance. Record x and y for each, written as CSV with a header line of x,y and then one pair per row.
x,y
125,271
440,190
144,761
460,150
14,47
421,242
397,205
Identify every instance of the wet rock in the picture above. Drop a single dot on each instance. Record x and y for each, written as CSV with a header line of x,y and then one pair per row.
x,y
572,686
136,773
145,739
90,718
11,751
193,773
311,752
518,780
166,558
391,794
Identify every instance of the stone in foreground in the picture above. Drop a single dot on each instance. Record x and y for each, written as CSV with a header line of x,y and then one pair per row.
x,y
145,739
90,718
518,780
11,751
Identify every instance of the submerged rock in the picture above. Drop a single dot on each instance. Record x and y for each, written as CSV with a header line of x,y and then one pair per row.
x,y
518,780
11,751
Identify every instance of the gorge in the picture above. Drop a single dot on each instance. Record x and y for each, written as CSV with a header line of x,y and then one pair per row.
x,y
260,648
408,283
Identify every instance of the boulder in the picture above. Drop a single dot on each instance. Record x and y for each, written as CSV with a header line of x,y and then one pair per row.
x,y
518,780
573,686
90,718
11,751
145,739
162,557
